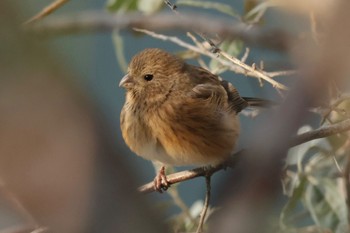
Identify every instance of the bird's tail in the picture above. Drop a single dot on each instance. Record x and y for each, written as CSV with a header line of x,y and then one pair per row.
x,y
257,102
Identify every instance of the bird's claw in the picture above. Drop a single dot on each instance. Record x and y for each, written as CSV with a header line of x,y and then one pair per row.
x,y
160,181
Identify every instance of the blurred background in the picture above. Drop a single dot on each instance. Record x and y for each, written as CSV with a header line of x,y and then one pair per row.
x,y
65,166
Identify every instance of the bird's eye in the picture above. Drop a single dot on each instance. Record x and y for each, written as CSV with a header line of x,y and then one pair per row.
x,y
148,77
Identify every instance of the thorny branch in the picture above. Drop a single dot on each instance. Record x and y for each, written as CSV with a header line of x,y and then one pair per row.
x,y
234,60
237,67
204,171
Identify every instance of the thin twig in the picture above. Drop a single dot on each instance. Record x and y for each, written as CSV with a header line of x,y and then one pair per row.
x,y
281,73
245,55
206,205
332,107
232,161
337,164
47,10
173,7
238,66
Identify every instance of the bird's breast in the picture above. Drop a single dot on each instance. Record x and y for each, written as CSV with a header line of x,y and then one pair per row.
x,y
179,134
140,134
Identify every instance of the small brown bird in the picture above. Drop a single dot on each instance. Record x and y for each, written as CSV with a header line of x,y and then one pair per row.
x,y
179,114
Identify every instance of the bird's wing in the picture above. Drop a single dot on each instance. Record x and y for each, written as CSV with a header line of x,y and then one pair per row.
x,y
208,85
236,102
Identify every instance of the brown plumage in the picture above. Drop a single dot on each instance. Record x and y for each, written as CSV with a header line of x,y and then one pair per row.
x,y
179,114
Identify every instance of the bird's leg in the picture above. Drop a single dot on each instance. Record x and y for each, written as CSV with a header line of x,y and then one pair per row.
x,y
160,181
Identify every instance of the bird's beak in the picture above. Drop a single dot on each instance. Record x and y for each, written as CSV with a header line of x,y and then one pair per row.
x,y
126,81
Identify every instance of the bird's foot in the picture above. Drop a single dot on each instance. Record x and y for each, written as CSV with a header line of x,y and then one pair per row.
x,y
160,181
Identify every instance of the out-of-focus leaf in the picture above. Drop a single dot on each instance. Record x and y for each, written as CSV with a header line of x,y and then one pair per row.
x,y
327,205
298,190
321,165
232,47
297,154
119,50
221,7
337,140
249,5
149,6
342,113
121,5
188,54
255,14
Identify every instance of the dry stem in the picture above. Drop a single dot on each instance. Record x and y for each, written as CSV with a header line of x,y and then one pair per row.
x,y
47,10
206,204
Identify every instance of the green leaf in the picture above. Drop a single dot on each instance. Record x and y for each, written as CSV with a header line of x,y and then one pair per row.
x,y
300,183
221,7
121,5
119,51
327,204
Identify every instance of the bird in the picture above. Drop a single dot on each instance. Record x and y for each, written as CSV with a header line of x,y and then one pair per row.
x,y
179,114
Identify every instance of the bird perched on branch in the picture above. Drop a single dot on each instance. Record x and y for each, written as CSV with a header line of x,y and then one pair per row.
x,y
179,114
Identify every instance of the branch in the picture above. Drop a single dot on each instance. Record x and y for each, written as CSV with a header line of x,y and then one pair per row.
x,y
207,171
321,132
193,173
47,10
281,73
237,66
101,22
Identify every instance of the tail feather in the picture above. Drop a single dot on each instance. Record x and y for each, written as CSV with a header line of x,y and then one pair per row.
x,y
257,102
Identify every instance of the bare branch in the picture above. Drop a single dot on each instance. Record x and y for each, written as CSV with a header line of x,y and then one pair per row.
x,y
94,21
193,173
204,171
321,132
281,73
47,10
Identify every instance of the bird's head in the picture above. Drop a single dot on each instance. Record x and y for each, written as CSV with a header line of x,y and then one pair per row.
x,y
152,74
